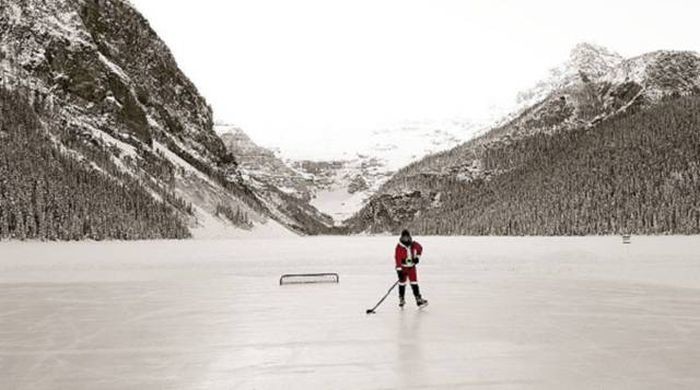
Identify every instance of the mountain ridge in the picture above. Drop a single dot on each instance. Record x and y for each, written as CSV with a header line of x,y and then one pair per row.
x,y
579,104
108,91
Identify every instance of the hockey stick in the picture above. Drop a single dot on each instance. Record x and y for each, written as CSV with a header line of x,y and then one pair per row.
x,y
371,311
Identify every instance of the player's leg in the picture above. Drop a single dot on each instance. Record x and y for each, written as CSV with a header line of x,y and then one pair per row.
x,y
413,278
402,287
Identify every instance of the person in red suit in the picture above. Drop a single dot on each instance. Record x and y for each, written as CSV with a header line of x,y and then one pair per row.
x,y
407,256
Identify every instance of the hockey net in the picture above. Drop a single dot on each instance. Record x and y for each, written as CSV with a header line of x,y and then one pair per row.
x,y
309,278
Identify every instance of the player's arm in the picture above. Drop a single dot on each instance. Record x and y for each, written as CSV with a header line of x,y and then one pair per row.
x,y
398,258
419,252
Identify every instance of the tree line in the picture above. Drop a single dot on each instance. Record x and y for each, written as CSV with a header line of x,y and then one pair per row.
x,y
57,185
634,173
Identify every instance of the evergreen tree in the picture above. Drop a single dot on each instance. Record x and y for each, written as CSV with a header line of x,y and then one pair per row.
x,y
49,193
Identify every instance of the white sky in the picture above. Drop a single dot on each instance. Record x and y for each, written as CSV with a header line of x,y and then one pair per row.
x,y
296,74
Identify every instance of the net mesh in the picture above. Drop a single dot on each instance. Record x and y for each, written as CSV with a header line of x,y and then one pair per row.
x,y
309,278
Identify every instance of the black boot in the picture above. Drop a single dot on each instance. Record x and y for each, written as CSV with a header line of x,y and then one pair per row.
x,y
416,293
402,294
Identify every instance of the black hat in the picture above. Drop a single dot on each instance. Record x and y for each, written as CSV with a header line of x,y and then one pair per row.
x,y
405,237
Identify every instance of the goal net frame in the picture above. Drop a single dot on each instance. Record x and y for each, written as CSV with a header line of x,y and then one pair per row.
x,y
309,278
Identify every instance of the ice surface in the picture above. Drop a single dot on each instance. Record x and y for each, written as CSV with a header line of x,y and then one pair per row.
x,y
505,313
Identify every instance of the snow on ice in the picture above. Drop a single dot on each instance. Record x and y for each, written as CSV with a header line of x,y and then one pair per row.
x,y
505,313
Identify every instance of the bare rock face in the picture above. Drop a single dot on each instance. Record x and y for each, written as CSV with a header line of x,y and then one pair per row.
x,y
102,63
262,167
281,187
357,184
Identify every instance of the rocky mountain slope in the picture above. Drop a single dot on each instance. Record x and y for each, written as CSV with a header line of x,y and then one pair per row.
x,y
276,182
261,167
106,92
584,159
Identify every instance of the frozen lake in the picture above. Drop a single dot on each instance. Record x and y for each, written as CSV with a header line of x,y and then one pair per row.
x,y
505,313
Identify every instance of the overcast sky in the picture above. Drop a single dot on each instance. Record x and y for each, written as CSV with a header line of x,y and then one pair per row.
x,y
298,73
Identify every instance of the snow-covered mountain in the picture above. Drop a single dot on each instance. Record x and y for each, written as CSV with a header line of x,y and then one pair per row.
x,y
563,120
340,187
262,167
106,93
586,61
343,185
273,180
595,84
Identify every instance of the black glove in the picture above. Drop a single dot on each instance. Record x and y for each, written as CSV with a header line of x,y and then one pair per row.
x,y
399,273
416,260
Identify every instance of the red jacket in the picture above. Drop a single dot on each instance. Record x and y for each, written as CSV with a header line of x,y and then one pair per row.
x,y
401,253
